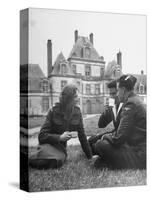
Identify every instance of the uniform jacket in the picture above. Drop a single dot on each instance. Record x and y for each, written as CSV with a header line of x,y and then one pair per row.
x,y
108,116
132,125
56,124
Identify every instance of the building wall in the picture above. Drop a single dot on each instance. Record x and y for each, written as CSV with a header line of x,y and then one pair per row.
x,y
35,104
95,67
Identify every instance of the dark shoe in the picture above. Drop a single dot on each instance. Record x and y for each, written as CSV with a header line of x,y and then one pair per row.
x,y
100,164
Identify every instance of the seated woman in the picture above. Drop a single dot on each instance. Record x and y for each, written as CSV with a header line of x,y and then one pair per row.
x,y
61,120
127,147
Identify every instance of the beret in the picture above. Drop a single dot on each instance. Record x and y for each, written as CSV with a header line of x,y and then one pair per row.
x,y
127,81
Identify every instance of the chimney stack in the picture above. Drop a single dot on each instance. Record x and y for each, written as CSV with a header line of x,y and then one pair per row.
x,y
49,57
119,58
91,38
142,72
75,35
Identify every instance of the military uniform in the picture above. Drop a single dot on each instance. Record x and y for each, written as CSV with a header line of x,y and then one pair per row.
x,y
107,116
127,147
57,123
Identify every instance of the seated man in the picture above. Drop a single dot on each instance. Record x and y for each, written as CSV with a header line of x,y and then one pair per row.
x,y
110,114
126,148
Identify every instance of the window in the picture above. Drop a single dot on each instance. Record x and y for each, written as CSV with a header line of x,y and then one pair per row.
x,y
141,89
88,89
78,85
102,72
97,89
45,104
45,86
63,84
87,70
87,52
74,69
63,69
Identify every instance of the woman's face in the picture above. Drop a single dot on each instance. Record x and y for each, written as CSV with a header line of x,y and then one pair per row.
x,y
76,98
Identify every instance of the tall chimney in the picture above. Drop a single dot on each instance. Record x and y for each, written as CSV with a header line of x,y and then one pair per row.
x,y
49,57
75,35
119,58
91,38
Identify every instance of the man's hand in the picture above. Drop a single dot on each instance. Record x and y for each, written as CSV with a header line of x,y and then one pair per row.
x,y
104,137
65,136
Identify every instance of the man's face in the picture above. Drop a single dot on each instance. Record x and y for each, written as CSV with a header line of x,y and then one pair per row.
x,y
120,94
113,93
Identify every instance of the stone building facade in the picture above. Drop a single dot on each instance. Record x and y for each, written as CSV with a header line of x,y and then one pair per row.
x,y
84,67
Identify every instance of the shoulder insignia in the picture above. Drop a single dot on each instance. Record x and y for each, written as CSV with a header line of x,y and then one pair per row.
x,y
126,109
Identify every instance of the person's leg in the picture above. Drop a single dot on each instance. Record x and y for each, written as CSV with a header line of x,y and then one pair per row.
x,y
117,157
92,140
104,150
47,156
46,163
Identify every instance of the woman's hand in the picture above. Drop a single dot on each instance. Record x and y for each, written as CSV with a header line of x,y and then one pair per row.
x,y
65,136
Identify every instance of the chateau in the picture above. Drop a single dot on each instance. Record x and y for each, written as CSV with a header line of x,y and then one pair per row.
x,y
84,67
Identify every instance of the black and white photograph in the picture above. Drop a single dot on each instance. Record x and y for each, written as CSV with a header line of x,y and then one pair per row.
x,y
83,100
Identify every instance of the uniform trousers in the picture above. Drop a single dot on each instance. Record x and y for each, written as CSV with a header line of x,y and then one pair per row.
x,y
119,157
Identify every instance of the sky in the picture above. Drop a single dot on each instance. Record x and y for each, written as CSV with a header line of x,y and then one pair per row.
x,y
112,32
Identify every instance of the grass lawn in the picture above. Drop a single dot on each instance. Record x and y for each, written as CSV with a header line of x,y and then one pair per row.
x,y
79,173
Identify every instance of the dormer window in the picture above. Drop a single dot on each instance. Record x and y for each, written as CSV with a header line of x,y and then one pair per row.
x,y
74,54
63,68
87,52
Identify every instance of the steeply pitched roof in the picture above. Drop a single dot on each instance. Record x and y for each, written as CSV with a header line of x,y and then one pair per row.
x,y
57,67
30,78
77,50
111,67
34,71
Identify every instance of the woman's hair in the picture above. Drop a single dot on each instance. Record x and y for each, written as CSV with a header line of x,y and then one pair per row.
x,y
127,81
67,95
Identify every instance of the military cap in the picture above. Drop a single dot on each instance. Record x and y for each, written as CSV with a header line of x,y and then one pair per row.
x,y
127,81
